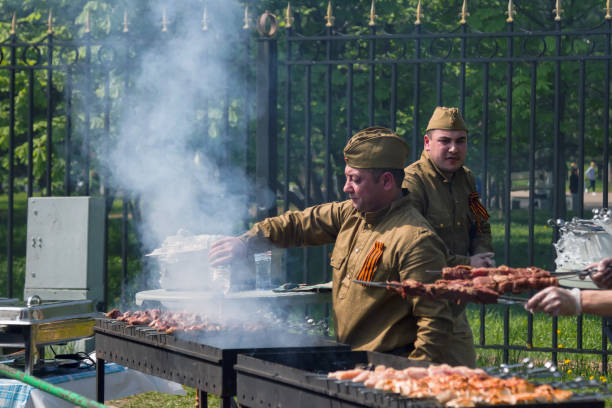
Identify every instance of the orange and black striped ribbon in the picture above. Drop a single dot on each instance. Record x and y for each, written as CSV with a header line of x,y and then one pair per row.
x,y
480,212
369,266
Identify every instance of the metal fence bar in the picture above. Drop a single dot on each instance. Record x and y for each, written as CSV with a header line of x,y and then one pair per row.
x,y
606,122
87,130
531,208
581,98
307,156
557,149
30,181
68,134
11,160
393,107
416,97
484,157
49,112
462,74
349,102
372,78
439,84
508,178
328,136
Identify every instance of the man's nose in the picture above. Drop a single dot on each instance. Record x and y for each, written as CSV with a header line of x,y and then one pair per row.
x,y
347,187
452,147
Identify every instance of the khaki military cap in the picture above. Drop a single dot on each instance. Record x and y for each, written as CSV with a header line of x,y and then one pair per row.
x,y
446,119
376,148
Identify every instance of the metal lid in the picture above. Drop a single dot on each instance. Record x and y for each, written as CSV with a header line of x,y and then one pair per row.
x,y
35,310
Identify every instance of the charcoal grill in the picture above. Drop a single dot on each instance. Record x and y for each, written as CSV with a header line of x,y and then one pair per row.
x,y
299,381
205,362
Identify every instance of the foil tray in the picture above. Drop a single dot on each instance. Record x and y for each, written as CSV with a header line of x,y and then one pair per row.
x,y
35,311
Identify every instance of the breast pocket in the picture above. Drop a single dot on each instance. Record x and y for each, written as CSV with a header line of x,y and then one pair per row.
x,y
337,262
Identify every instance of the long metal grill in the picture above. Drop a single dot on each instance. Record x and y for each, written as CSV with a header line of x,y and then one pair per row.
x,y
205,361
300,380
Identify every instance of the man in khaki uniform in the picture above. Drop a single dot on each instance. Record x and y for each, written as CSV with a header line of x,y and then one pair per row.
x,y
378,236
444,191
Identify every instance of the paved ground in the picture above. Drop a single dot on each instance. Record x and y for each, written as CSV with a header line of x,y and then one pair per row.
x,y
590,200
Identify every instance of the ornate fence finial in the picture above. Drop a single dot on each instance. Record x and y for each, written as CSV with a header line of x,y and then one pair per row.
x,y
373,15
87,22
558,10
205,20
511,11
608,9
418,14
246,17
266,25
14,24
288,16
125,22
164,21
50,23
329,17
464,13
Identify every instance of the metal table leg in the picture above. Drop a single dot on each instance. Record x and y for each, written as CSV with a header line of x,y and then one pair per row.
x,y
100,380
201,399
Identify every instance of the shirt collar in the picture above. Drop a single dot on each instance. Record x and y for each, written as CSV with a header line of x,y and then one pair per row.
x,y
375,217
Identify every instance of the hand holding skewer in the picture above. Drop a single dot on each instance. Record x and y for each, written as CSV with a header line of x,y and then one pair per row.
x,y
603,276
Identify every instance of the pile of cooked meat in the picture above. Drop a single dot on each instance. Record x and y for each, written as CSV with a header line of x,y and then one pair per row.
x,y
453,386
464,284
170,322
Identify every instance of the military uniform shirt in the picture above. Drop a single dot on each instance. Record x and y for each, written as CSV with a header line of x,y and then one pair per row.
x,y
372,318
445,204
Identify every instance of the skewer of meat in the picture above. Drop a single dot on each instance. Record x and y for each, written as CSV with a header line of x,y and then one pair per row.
x,y
467,272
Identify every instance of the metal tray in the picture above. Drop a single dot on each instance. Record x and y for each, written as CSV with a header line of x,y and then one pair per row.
x,y
36,311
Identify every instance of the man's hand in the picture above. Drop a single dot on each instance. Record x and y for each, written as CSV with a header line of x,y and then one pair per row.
x,y
556,301
603,276
484,259
225,250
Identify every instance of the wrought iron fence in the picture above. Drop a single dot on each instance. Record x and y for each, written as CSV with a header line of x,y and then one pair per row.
x,y
326,87
335,83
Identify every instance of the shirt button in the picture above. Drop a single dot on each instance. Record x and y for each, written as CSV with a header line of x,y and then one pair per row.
x,y
458,223
348,276
356,249
441,225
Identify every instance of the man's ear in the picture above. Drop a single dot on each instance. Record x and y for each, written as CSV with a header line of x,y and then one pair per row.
x,y
426,141
388,180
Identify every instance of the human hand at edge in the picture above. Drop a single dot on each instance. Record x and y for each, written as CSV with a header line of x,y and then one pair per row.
x,y
483,260
556,301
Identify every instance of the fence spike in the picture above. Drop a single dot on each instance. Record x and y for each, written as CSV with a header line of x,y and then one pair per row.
x,y
246,17
125,22
511,11
558,10
14,24
288,16
608,9
372,15
87,22
329,17
164,21
50,23
418,14
205,20
464,13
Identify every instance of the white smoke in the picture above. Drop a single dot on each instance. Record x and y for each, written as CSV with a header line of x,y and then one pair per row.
x,y
160,154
